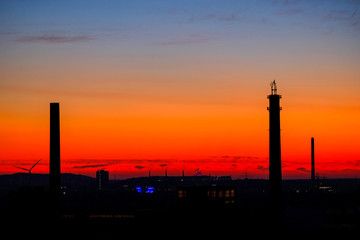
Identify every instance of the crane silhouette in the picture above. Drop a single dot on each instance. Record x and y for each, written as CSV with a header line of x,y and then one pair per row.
x,y
29,170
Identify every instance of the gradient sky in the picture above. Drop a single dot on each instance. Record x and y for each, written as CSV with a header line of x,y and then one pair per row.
x,y
180,85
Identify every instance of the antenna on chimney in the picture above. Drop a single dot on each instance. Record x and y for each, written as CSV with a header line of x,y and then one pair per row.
x,y
273,88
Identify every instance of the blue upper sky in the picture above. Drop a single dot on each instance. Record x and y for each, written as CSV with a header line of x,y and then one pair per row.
x,y
178,22
271,36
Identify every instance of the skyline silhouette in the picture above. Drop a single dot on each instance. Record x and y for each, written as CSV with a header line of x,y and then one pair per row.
x,y
326,206
68,203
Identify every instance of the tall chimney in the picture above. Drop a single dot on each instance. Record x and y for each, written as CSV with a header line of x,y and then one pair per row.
x,y
275,177
54,184
312,160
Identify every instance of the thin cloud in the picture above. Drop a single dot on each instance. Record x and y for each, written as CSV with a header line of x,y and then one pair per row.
x,y
262,168
53,38
90,166
302,169
234,159
350,18
139,167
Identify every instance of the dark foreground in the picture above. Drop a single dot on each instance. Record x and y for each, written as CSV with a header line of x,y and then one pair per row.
x,y
175,208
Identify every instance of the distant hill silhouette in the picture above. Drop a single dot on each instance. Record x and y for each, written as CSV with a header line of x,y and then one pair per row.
x,y
82,182
17,180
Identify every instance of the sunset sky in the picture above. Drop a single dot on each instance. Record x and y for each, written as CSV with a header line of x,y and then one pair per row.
x,y
180,85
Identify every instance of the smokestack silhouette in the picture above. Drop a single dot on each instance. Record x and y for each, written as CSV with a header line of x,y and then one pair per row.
x,y
275,177
54,184
312,160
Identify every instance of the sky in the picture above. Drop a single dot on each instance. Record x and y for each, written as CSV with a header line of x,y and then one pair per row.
x,y
180,86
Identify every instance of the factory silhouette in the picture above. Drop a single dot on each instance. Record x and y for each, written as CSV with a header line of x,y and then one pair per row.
x,y
66,202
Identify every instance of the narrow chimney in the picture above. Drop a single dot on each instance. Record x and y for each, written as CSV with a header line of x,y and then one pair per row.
x,y
312,160
275,175
54,184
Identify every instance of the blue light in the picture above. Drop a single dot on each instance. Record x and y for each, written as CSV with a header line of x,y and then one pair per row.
x,y
145,189
150,190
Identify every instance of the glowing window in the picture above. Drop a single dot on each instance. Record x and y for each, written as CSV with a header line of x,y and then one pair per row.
x,y
227,193
221,194
213,193
182,193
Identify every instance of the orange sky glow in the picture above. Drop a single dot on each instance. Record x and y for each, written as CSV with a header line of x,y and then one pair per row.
x,y
136,98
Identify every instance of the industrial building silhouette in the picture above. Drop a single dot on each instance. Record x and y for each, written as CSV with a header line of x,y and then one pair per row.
x,y
275,176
